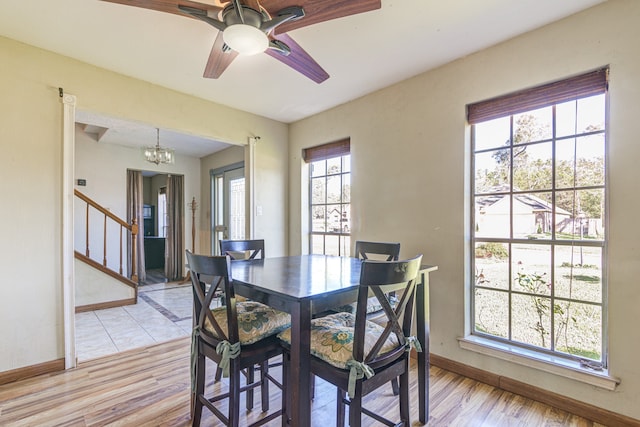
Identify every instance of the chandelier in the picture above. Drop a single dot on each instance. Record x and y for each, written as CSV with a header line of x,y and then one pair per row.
x,y
158,154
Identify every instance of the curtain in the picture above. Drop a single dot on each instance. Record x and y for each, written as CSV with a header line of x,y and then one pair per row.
x,y
174,248
135,203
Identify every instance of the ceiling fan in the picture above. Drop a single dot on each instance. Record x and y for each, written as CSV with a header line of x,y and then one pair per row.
x,y
255,26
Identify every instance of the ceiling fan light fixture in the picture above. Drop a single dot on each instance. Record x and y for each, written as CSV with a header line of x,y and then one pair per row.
x,y
245,39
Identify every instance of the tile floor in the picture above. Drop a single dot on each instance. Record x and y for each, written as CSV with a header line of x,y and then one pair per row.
x,y
163,313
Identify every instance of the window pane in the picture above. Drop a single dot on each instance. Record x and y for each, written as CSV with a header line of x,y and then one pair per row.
x,y
590,160
332,245
492,216
334,165
578,329
317,244
492,171
334,189
579,214
578,273
318,190
492,133
565,163
346,163
334,218
319,168
532,126
531,320
346,219
566,119
492,265
346,188
532,167
318,220
591,114
492,312
532,216
531,269
345,248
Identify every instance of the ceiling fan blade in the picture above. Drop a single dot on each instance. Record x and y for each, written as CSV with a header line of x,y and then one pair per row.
x,y
319,10
219,59
298,59
170,6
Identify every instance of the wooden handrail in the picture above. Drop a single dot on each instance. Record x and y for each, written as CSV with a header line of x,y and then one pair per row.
x,y
101,209
133,228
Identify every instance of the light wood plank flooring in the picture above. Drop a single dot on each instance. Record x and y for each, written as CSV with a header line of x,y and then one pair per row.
x,y
150,387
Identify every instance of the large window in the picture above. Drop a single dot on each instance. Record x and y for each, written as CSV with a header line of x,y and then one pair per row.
x,y
329,198
538,209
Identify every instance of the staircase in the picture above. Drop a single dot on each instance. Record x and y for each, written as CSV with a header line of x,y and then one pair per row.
x,y
105,283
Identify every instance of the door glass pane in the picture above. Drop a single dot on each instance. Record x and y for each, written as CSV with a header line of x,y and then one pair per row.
x,y
236,209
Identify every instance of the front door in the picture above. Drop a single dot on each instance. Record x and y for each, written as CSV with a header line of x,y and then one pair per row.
x,y
228,206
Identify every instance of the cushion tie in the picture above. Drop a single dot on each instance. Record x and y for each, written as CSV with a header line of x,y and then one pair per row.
x,y
227,351
194,350
412,342
358,370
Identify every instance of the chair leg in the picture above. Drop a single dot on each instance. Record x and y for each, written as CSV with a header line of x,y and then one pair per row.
x,y
218,374
264,385
355,409
199,391
312,386
340,408
404,395
234,396
250,379
395,387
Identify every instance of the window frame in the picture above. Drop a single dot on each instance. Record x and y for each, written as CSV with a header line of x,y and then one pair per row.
x,y
589,84
337,149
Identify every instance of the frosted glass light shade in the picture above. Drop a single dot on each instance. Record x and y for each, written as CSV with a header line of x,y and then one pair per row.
x,y
245,39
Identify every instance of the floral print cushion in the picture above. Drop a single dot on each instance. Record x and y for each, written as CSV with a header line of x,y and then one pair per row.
x,y
255,321
332,338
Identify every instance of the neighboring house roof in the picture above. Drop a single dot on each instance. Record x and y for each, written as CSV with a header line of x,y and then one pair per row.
x,y
535,203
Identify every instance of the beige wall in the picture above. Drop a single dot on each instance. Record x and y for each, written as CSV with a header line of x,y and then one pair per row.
x,y
410,146
31,293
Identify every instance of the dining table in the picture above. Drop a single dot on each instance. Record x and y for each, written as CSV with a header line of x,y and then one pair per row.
x,y
306,285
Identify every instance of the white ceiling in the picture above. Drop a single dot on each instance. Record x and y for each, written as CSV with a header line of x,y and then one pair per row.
x,y
362,53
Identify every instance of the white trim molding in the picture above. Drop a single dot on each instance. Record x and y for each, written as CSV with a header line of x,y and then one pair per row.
x,y
68,274
543,362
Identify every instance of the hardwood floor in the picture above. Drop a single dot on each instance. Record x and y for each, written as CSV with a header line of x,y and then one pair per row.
x,y
150,387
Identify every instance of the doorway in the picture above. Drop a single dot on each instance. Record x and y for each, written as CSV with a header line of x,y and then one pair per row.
x,y
228,201
159,204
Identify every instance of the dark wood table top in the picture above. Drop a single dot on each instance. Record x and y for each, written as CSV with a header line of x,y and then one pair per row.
x,y
299,278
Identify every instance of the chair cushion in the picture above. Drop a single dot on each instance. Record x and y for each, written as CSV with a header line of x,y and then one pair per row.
x,y
332,338
255,321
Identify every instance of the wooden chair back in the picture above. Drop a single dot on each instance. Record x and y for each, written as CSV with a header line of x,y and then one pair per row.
x,y
377,250
378,278
252,249
210,274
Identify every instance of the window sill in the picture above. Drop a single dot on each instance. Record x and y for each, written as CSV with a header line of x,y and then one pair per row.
x,y
547,363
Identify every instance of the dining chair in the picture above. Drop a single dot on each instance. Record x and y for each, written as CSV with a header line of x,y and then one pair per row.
x,y
382,251
249,249
359,356
237,337
240,250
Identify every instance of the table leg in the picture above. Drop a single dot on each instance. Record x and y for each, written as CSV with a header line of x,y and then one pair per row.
x,y
299,396
422,327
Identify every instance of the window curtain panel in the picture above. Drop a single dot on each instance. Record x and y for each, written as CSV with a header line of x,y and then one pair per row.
x,y
135,203
174,249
